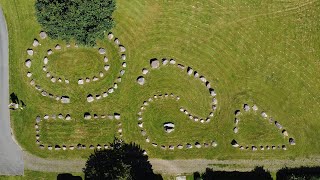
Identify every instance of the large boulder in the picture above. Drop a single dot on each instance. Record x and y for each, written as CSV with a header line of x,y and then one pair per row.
x,y
154,63
65,99
30,52
45,60
141,80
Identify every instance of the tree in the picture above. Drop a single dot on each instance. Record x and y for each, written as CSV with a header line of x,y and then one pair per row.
x,y
121,161
82,20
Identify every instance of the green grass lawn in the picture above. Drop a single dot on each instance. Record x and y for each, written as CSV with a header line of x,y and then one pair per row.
x,y
36,175
256,52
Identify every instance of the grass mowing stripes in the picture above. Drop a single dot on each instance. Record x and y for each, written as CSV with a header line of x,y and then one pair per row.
x,y
251,52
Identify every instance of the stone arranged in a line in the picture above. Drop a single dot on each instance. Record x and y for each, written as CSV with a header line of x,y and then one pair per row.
x,y
235,144
155,64
168,127
75,147
88,116
63,99
110,90
67,117
246,108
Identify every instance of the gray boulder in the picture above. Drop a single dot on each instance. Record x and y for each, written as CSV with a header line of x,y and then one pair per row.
x,y
102,51
35,43
43,35
28,63
141,80
154,63
65,99
90,98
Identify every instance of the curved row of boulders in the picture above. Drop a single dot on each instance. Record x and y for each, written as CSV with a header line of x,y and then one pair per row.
x,y
87,116
110,90
167,126
155,64
63,99
247,108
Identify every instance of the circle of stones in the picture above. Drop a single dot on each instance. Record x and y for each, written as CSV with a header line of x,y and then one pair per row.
x,y
67,117
246,108
164,147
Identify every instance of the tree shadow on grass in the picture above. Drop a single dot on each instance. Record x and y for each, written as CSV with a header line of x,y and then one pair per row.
x,y
257,174
122,161
67,176
305,173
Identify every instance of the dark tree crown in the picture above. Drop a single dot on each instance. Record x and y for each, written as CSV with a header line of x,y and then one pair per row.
x,y
81,20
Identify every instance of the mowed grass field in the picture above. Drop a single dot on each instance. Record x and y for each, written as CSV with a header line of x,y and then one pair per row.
x,y
256,52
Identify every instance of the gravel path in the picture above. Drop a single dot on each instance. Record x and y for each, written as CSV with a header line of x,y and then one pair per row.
x,y
11,162
172,167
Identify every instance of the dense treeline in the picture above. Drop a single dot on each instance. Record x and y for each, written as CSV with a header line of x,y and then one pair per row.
x,y
81,20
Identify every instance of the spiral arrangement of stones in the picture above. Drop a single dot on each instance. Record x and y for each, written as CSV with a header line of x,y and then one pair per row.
x,y
28,63
155,64
110,90
170,146
67,117
246,108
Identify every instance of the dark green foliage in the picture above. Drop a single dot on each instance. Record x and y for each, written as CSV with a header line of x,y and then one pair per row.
x,y
122,161
82,20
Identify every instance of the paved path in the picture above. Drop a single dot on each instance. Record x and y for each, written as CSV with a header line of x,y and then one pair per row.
x,y
172,167
11,160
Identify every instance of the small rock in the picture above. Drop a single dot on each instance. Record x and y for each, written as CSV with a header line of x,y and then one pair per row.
x,y
57,47
145,71
28,63
30,52
122,48
110,36
90,98
102,51
49,52
80,81
141,80
172,61
43,35
106,67
123,57
35,43
65,99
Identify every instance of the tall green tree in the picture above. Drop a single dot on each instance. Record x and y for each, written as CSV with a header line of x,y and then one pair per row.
x,y
121,161
85,21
